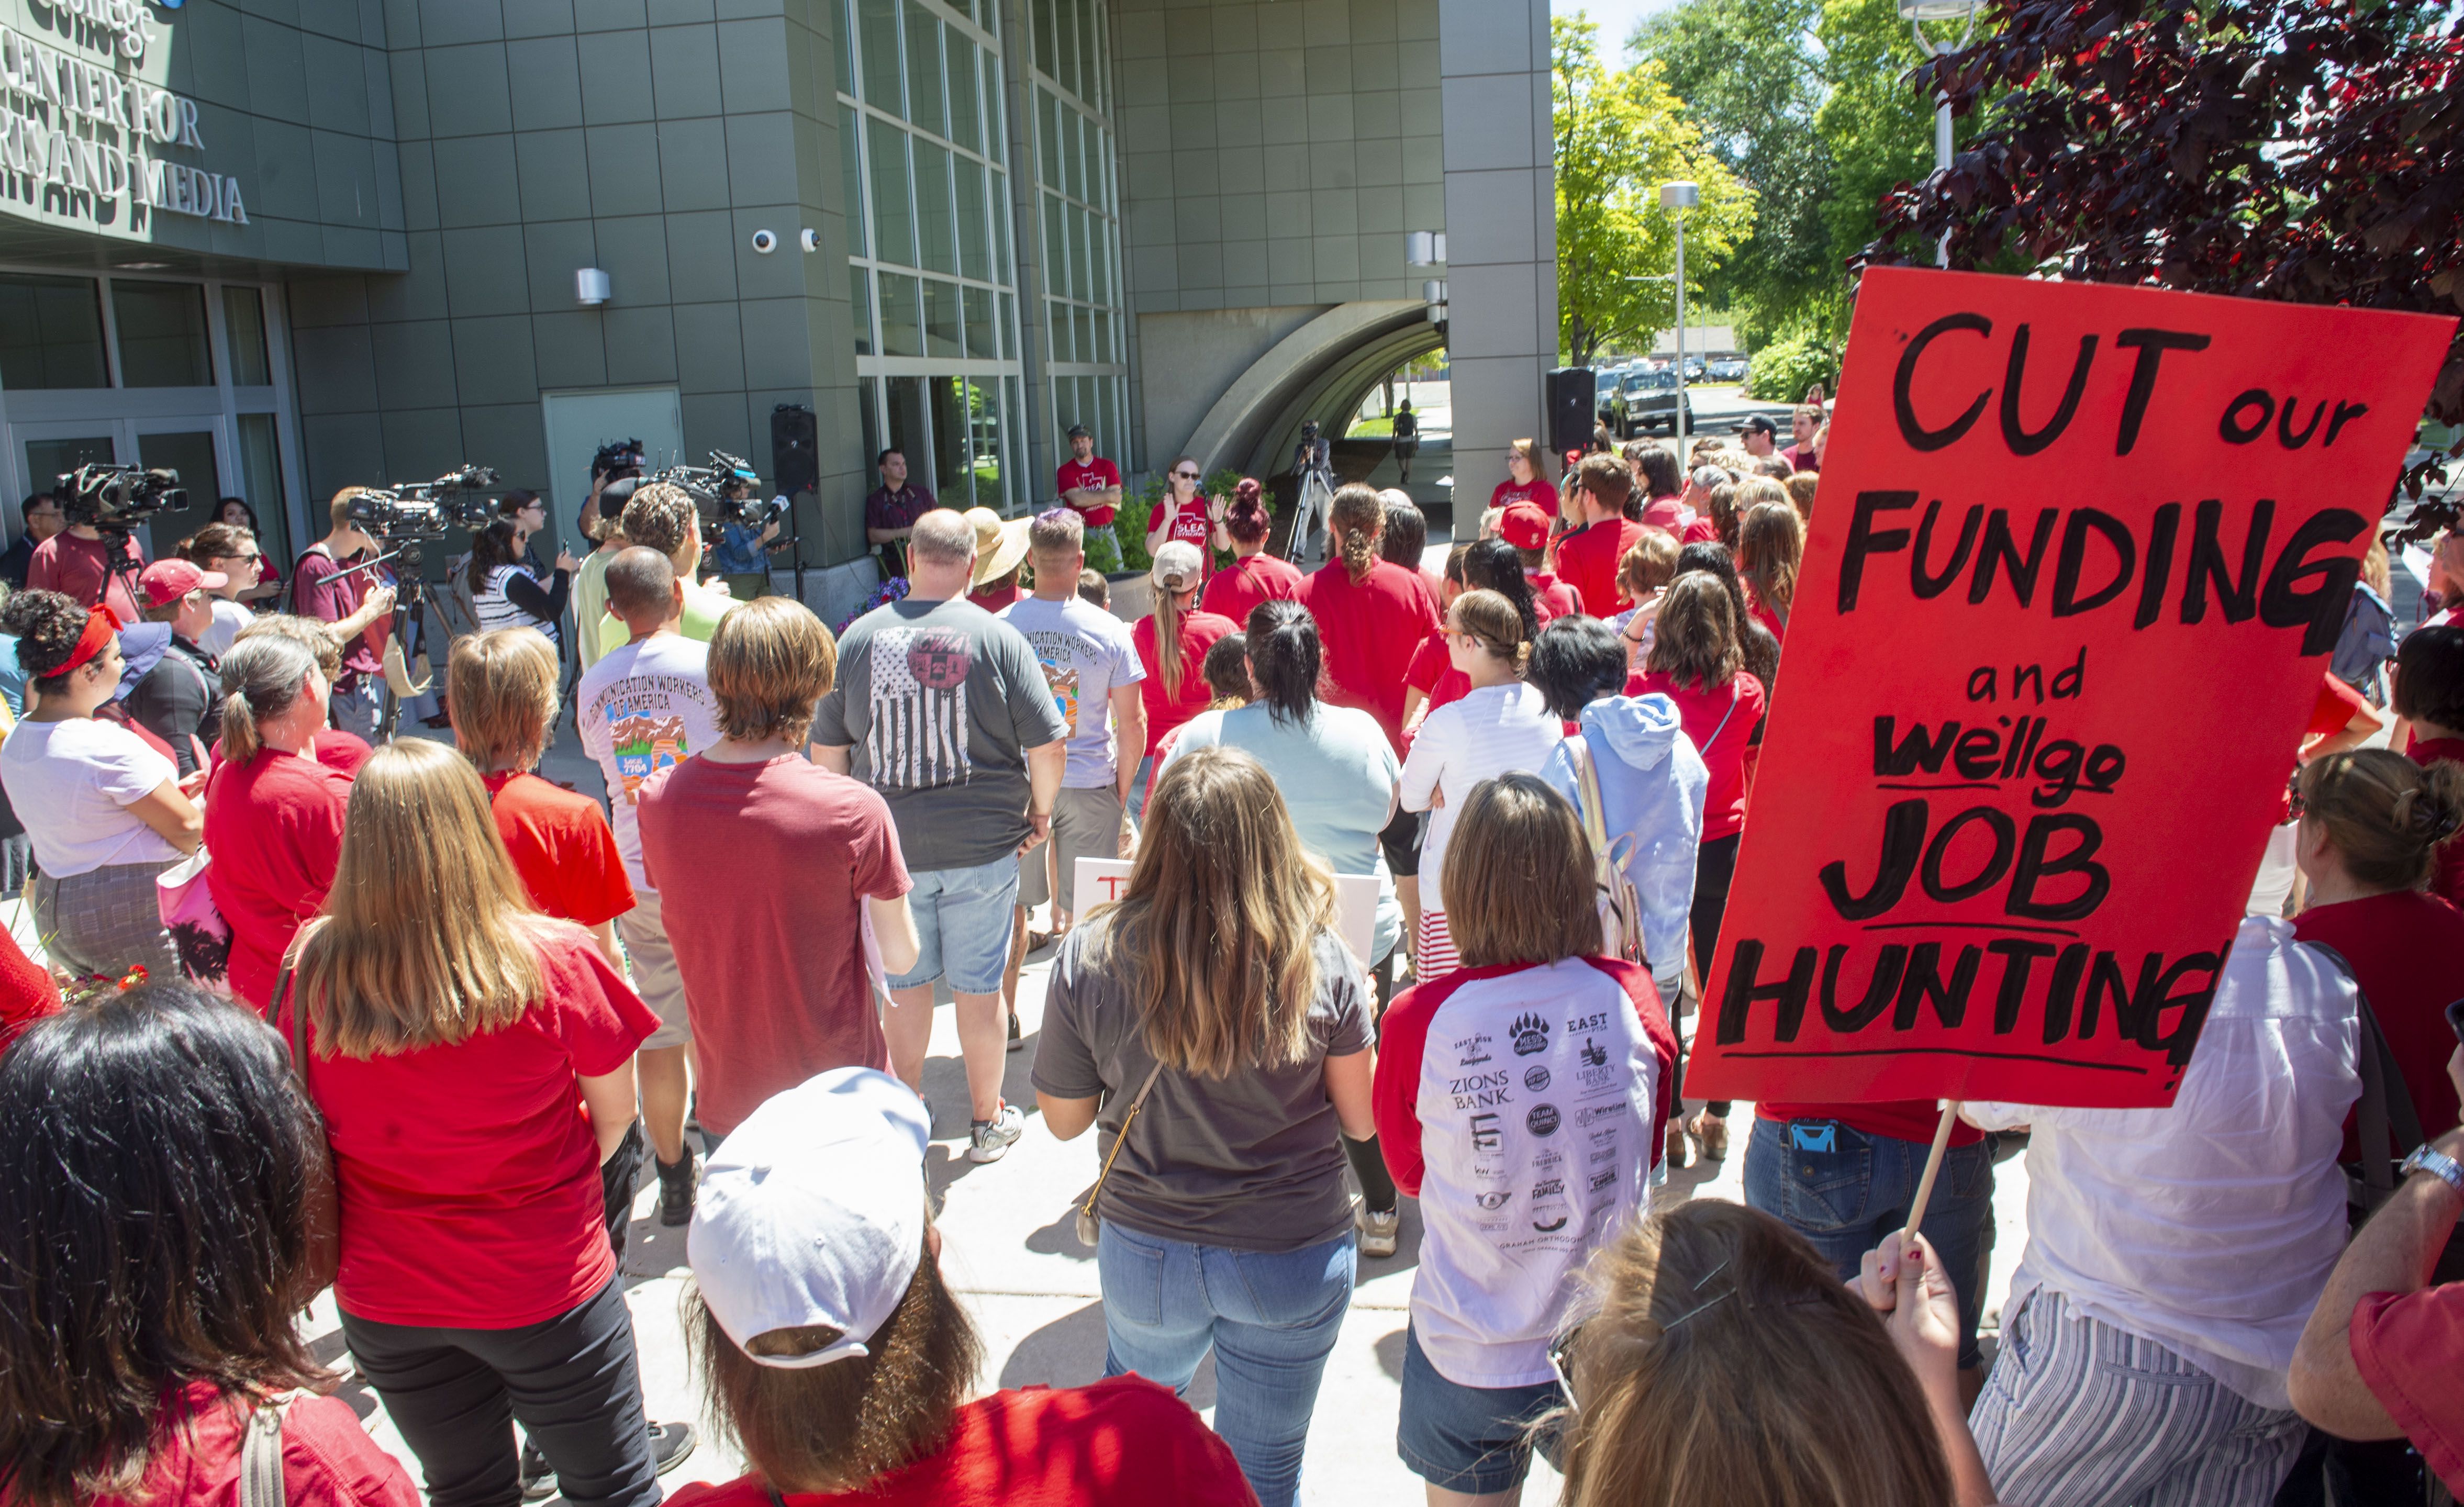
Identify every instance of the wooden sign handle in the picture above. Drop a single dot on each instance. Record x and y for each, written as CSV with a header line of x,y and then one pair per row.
x,y
1933,1167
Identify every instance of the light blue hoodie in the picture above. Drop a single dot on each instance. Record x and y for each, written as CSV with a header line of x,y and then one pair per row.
x,y
1652,784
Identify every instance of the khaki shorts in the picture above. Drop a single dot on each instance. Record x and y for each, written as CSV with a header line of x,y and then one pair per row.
x,y
1085,823
653,965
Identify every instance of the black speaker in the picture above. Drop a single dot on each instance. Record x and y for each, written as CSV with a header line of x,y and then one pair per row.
x,y
1574,397
795,464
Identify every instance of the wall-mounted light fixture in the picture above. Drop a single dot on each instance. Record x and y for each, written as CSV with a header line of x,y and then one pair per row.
x,y
1424,247
590,286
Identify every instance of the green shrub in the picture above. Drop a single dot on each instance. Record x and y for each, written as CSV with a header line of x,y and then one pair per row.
x,y
1782,370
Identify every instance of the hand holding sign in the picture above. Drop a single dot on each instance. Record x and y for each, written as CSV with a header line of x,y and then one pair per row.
x,y
2080,555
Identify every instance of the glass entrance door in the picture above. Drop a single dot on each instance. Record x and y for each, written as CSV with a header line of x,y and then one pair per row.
x,y
189,447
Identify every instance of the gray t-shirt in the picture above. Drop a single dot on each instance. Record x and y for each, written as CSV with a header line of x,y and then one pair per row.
x,y
1250,1162
938,702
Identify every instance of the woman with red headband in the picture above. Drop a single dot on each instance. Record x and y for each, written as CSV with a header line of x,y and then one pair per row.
x,y
105,811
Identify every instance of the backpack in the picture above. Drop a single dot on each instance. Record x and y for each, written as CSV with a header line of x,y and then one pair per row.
x,y
2367,639
1620,908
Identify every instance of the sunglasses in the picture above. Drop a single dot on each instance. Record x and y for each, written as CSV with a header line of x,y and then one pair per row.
x,y
1184,476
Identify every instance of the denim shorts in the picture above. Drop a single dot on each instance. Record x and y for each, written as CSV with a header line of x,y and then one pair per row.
x,y
962,922
1844,1190
1473,1439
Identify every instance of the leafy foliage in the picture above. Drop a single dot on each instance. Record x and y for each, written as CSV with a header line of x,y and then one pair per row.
x,y
1784,368
1619,135
2303,150
1138,504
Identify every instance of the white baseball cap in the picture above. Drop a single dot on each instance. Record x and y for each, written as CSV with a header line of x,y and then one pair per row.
x,y
812,1213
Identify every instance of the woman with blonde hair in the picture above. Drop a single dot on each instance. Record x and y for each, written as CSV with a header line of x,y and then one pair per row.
x,y
1714,1356
449,1030
501,697
1771,547
1215,997
1488,1082
1172,642
1525,480
1501,724
1801,487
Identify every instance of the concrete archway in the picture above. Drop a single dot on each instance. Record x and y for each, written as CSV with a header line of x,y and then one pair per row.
x,y
1320,371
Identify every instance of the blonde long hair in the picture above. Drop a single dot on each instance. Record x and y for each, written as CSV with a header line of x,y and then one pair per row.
x,y
428,937
1216,929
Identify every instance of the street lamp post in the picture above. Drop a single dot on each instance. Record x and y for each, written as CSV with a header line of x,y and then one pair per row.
x,y
1677,198
1917,13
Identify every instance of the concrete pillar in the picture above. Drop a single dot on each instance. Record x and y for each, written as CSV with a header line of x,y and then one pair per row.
x,y
1501,231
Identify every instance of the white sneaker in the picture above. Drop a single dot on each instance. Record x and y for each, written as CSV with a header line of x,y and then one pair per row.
x,y
994,1137
1378,1232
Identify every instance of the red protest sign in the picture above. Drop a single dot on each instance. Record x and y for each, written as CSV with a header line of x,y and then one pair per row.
x,y
2079,558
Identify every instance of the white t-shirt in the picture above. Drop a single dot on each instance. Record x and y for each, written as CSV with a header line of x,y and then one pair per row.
x,y
71,783
643,707
229,617
1493,731
1086,654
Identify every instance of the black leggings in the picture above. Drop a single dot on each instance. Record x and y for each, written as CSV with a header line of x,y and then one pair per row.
x,y
1715,868
572,1381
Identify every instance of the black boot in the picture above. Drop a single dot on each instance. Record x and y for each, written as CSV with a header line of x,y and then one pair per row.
x,y
676,1189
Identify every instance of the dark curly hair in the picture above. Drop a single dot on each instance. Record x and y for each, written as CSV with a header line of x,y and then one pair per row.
x,y
48,626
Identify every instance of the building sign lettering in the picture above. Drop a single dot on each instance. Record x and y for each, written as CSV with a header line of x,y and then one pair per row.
x,y
122,21
79,139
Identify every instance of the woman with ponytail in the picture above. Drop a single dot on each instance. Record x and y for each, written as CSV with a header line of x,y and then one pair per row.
x,y
104,809
1500,726
1254,575
1171,645
1371,613
274,812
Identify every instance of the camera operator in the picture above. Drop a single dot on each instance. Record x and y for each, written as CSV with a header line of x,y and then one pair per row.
x,y
748,533
660,516
357,608
619,461
76,563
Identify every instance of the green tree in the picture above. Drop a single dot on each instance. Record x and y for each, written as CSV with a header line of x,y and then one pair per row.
x,y
1876,121
1753,78
1619,135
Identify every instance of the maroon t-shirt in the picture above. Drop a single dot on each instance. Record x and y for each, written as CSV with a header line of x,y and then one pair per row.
x,y
2407,953
2447,882
763,871
1369,629
330,590
80,570
884,509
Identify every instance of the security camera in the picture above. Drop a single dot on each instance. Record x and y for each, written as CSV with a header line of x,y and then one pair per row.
x,y
811,239
764,242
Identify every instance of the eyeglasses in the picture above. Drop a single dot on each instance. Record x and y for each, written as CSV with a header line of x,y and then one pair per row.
x,y
1185,476
249,558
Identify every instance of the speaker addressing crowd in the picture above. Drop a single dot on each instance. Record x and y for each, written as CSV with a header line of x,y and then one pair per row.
x,y
460,1005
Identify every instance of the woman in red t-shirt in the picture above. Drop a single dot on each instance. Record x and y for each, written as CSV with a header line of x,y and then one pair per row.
x,y
273,812
157,1252
2429,695
1769,545
473,1060
1254,575
1171,643
1695,662
1183,514
1523,480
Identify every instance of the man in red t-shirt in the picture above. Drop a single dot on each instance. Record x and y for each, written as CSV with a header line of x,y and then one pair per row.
x,y
76,563
770,869
2384,1348
816,1220
1588,559
357,605
1091,485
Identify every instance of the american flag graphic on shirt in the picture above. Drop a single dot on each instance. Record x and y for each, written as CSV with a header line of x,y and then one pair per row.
x,y
919,705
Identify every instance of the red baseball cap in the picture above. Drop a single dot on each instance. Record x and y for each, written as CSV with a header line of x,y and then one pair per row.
x,y
1525,525
166,581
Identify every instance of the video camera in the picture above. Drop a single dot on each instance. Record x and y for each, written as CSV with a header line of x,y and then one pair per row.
x,y
112,498
425,510
724,491
617,460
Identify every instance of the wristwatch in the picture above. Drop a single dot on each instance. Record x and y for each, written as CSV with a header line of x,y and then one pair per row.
x,y
2429,1159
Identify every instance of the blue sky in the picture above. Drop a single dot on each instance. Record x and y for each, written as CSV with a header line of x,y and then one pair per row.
x,y
1615,17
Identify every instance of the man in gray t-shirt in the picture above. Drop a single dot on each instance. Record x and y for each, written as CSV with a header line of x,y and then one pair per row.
x,y
941,707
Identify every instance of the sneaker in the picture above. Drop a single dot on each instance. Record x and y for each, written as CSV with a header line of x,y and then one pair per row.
x,y
676,1189
1016,1041
1378,1232
537,1477
993,1138
670,1444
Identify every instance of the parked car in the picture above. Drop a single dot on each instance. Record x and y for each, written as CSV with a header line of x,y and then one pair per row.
x,y
1645,399
1728,368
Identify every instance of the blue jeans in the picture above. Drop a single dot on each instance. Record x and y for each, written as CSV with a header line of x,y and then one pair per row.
x,y
1844,1190
1271,1319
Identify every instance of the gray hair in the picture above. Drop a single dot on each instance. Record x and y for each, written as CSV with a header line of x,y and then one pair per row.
x,y
1707,477
944,537
262,678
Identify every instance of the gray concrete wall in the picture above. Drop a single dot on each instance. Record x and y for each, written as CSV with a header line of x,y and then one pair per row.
x,y
647,138
292,104
1195,357
1501,218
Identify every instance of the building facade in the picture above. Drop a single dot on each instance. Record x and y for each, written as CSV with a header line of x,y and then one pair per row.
x,y
286,246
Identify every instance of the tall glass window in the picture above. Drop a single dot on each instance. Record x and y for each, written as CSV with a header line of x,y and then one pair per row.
x,y
933,293
1078,217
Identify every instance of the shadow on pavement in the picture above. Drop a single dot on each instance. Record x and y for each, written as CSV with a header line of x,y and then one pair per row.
x,y
1069,1353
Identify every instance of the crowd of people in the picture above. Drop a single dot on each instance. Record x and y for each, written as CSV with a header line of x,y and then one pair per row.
x,y
422,1018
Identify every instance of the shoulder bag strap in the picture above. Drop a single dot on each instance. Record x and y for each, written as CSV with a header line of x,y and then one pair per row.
x,y
1736,699
1587,793
1121,1140
2385,1115
260,1454
299,1035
